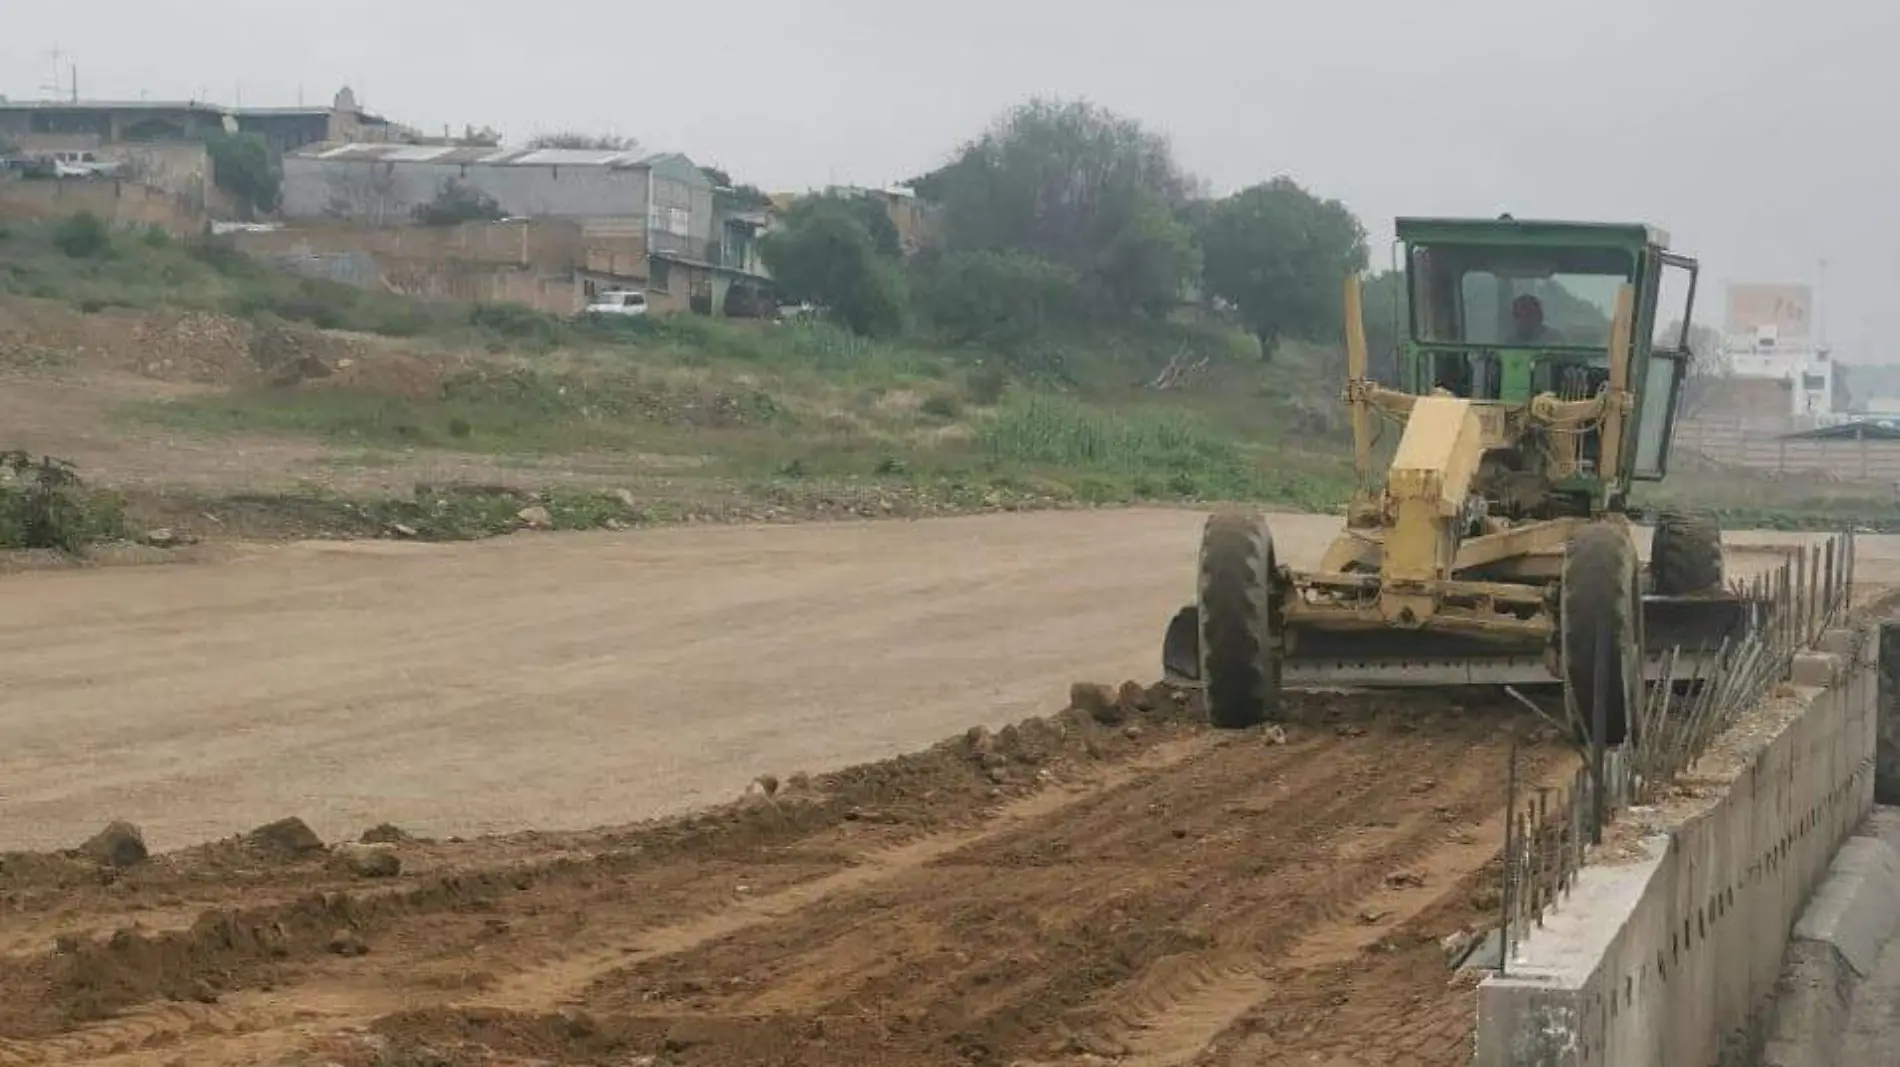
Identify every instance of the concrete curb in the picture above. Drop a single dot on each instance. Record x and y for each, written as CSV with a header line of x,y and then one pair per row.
x,y
1835,946
1671,954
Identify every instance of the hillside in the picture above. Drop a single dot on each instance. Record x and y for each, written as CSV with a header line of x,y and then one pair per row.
x,y
214,395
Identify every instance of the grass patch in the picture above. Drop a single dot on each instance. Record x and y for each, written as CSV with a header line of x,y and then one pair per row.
x,y
520,411
1148,454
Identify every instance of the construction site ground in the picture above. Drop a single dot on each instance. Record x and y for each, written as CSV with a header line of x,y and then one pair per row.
x,y
845,821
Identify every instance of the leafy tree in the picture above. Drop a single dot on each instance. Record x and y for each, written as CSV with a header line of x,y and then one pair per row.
x,y
997,298
735,196
1077,185
1709,366
1281,255
871,214
603,142
457,202
241,164
1386,309
822,252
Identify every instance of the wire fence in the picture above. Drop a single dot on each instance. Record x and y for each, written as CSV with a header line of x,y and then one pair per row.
x,y
1693,697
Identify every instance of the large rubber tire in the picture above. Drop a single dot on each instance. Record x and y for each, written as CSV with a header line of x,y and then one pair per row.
x,y
1240,646
1602,613
1685,555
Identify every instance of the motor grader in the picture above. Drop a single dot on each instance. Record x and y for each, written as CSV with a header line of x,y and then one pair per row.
x,y
1491,539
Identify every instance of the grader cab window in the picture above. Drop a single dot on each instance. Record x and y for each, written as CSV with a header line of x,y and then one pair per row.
x,y
1516,297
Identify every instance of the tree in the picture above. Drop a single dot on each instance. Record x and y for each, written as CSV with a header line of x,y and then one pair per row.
x,y
457,202
876,220
1078,185
1282,255
1709,366
1385,307
822,252
997,298
241,165
603,142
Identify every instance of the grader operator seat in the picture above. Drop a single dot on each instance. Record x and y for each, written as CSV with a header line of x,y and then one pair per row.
x,y
1489,540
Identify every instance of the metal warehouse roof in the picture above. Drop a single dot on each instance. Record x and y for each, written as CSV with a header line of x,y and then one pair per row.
x,y
1870,427
494,157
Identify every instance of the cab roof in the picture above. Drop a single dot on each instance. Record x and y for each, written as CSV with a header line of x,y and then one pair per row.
x,y
1507,230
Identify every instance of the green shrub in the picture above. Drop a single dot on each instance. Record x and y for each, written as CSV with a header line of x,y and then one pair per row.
x,y
517,322
83,236
942,405
46,505
986,385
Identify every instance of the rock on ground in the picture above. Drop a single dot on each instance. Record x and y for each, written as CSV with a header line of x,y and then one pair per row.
x,y
287,838
120,844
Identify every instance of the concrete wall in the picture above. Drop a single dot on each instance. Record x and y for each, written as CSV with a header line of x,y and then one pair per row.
x,y
550,243
1669,958
541,262
1887,719
386,193
120,203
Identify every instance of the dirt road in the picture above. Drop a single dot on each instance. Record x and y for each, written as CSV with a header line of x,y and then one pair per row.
x,y
1123,886
553,681
559,681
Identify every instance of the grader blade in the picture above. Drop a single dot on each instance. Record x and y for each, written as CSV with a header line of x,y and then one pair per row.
x,y
1683,638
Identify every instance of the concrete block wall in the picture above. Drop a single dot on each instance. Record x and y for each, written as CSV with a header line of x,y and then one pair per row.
x,y
1669,958
1887,743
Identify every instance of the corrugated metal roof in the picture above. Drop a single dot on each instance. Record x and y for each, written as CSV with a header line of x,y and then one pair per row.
x,y
1872,428
494,157
111,105
579,157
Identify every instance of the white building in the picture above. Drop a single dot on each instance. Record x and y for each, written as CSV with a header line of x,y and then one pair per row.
x,y
1768,333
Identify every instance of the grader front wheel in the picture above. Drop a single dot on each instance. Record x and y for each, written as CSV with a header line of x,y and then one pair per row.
x,y
1685,554
1238,614
1601,629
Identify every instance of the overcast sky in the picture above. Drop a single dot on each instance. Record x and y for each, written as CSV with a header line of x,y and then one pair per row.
x,y
1760,135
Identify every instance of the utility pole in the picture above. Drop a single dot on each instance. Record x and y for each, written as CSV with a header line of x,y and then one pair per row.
x,y
56,90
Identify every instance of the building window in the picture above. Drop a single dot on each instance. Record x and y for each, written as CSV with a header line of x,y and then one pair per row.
x,y
659,275
677,221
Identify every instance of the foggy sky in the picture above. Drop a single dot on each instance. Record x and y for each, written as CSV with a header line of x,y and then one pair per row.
x,y
1757,134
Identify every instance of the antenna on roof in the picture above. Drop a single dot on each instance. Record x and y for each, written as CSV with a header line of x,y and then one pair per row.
x,y
55,89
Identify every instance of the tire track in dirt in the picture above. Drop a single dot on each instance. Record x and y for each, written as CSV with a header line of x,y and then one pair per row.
x,y
565,979
522,933
1359,911
1144,890
1073,933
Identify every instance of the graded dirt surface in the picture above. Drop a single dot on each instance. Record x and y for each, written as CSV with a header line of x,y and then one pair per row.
x,y
1123,886
563,681
552,681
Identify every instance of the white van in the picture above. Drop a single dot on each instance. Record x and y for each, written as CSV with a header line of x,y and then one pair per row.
x,y
618,302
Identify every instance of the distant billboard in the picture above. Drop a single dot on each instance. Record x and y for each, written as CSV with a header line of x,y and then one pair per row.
x,y
1789,309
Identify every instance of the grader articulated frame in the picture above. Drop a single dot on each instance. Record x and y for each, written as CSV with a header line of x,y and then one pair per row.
x,y
1496,545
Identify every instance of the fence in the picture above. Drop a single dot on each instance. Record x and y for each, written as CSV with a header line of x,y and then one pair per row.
x,y
1547,836
1758,445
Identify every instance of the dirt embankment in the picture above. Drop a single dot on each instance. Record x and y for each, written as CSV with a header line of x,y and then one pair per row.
x,y
1116,885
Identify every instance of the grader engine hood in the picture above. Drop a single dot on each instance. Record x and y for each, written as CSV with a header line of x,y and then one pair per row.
x,y
1425,500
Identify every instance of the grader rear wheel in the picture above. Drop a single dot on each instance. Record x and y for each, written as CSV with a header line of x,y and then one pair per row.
x,y
1602,618
1238,614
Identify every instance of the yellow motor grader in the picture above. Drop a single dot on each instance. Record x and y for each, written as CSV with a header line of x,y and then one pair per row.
x,y
1491,540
